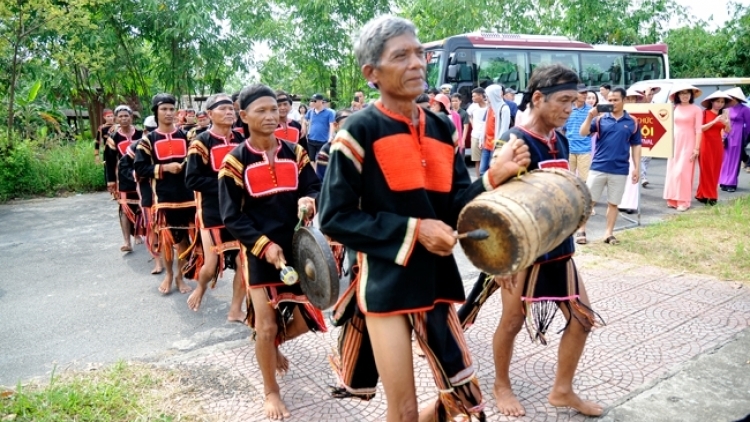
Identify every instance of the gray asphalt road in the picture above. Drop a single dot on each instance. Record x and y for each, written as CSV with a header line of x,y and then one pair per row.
x,y
68,297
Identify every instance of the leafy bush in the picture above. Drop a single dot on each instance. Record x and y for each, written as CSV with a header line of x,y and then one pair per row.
x,y
27,168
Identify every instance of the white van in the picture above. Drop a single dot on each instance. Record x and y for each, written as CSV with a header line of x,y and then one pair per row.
x,y
707,85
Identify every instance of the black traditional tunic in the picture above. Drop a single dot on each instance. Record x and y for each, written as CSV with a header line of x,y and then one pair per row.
x,y
174,205
205,156
112,156
142,185
259,203
153,152
290,132
384,176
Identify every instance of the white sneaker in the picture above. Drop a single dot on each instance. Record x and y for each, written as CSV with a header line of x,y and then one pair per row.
x,y
644,182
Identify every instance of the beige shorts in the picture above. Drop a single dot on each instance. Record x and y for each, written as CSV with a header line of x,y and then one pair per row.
x,y
580,164
615,184
476,149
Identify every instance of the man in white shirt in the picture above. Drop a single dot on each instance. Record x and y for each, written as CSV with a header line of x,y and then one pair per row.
x,y
478,117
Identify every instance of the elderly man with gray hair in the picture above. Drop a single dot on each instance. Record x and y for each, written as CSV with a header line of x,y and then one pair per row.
x,y
391,195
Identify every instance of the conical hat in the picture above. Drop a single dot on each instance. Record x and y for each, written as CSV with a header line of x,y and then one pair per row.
x,y
736,94
632,92
706,103
684,87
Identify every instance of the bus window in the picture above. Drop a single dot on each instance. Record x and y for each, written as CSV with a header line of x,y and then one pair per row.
x,y
505,67
566,58
433,58
598,69
643,67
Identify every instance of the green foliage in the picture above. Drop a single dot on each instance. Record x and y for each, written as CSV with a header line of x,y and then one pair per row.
x,y
28,168
120,393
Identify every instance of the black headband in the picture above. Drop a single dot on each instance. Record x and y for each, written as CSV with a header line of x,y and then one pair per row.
x,y
255,95
220,102
283,99
547,90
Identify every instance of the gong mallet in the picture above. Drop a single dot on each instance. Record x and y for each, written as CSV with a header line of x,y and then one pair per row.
x,y
478,234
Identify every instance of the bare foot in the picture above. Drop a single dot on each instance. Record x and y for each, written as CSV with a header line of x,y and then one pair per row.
x,y
275,408
138,240
572,400
194,301
166,286
157,268
507,402
282,363
236,316
126,248
184,288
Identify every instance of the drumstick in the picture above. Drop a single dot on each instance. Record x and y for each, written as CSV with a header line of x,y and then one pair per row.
x,y
478,234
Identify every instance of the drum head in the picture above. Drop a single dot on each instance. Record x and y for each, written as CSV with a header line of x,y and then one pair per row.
x,y
314,262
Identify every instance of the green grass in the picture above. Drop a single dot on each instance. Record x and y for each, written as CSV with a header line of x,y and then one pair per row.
x,y
30,169
708,240
122,392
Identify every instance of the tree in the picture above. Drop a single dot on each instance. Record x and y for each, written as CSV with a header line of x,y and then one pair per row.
x,y
22,20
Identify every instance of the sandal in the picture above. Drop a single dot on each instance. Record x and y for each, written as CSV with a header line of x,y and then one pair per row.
x,y
612,240
580,238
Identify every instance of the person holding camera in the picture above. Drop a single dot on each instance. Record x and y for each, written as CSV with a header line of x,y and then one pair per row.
x,y
580,146
619,137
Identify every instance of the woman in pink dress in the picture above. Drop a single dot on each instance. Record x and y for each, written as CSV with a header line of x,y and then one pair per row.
x,y
688,123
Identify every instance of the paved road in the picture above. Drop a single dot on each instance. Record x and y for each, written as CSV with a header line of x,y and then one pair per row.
x,y
69,297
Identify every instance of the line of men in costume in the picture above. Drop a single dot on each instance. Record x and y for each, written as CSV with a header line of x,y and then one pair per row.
x,y
393,189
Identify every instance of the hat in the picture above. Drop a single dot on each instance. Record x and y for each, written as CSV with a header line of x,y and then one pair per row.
x,y
150,123
654,88
684,87
446,86
444,100
317,97
631,92
581,88
706,103
510,91
736,94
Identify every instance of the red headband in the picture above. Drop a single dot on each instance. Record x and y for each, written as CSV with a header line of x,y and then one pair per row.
x,y
108,113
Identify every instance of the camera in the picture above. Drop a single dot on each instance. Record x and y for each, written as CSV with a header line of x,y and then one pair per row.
x,y
605,108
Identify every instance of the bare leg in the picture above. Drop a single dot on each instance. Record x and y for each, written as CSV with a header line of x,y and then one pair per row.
x,y
210,262
568,355
167,253
297,327
511,322
238,296
158,268
181,286
266,353
126,226
391,344
611,219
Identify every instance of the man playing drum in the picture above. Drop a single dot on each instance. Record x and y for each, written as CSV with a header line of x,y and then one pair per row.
x,y
394,188
535,294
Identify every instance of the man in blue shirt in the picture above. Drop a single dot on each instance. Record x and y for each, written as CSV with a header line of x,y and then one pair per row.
x,y
579,145
318,125
619,136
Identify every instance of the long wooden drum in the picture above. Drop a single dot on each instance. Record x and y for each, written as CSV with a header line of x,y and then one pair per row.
x,y
525,218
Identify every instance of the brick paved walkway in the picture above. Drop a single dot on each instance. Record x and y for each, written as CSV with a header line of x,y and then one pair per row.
x,y
655,320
